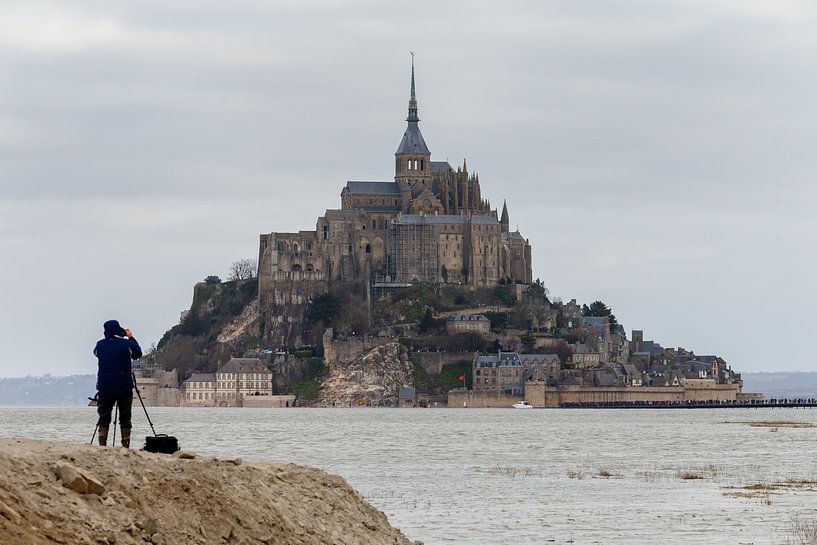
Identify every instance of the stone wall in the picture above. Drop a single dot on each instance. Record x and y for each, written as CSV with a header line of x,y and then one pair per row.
x,y
433,362
269,402
540,395
460,398
155,394
348,347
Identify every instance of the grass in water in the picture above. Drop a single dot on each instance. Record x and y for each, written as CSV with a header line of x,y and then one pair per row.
x,y
775,424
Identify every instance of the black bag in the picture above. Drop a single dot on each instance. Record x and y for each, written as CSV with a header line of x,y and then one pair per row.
x,y
161,443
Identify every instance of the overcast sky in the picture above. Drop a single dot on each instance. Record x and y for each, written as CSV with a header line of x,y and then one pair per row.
x,y
660,156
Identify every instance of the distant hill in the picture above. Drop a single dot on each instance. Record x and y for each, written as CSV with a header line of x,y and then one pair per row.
x,y
781,385
47,390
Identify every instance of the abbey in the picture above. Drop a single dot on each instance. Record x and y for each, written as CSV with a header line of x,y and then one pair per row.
x,y
430,224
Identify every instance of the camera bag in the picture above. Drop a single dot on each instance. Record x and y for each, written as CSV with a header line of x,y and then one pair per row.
x,y
161,443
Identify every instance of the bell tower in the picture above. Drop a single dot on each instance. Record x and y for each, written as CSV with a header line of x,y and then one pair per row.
x,y
412,158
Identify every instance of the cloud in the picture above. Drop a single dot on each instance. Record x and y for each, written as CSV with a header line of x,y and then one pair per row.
x,y
658,155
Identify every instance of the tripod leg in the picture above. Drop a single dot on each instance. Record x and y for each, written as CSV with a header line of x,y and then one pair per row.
x,y
115,418
94,435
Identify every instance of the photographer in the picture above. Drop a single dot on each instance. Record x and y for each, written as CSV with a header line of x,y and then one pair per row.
x,y
114,380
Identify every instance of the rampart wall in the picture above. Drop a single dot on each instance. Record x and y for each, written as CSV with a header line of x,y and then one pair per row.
x,y
433,362
337,349
540,395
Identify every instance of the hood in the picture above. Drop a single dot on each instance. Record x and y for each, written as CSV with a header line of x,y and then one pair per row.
x,y
113,329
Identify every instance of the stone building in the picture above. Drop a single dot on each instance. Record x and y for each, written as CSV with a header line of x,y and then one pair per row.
x,y
463,323
200,390
501,373
430,223
240,378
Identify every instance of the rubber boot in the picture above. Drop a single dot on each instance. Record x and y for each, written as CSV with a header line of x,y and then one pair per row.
x,y
125,437
103,436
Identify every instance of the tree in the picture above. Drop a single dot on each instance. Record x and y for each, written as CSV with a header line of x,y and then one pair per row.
x,y
538,290
427,322
212,279
325,307
444,274
510,342
599,309
243,269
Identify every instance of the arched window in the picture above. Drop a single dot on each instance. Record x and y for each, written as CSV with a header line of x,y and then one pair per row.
x,y
368,248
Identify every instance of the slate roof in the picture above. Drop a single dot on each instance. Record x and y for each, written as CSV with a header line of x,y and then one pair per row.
x,y
503,359
380,188
593,321
467,318
341,214
631,370
412,141
201,377
540,358
244,365
416,219
440,166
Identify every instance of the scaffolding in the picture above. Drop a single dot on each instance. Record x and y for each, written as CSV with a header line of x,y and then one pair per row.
x,y
412,250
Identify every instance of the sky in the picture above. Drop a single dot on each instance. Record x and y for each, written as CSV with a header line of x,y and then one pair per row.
x,y
660,156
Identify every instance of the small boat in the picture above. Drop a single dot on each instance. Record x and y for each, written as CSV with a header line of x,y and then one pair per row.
x,y
522,405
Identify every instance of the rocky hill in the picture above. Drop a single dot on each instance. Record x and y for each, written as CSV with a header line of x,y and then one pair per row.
x,y
372,379
77,494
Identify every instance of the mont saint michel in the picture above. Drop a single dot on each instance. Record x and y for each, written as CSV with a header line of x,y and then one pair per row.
x,y
415,292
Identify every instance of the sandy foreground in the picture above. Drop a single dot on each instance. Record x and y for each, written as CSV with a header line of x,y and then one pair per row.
x,y
79,494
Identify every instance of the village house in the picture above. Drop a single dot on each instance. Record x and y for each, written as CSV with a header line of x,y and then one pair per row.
x,y
241,378
586,358
500,373
199,390
464,323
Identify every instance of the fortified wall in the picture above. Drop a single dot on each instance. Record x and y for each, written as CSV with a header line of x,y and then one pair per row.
x,y
160,389
538,394
339,349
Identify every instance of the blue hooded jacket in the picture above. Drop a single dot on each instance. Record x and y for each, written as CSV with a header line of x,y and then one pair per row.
x,y
115,354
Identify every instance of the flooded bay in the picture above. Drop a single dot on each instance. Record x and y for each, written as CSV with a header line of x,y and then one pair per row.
x,y
521,477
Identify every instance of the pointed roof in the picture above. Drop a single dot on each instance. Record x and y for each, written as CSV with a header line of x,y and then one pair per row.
x,y
412,141
503,219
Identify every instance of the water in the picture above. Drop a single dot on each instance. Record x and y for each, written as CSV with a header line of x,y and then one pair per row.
x,y
517,477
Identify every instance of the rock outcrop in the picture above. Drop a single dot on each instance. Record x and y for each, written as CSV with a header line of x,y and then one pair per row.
x,y
79,494
373,378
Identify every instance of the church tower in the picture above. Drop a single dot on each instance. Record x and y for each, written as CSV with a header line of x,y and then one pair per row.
x,y
412,158
504,221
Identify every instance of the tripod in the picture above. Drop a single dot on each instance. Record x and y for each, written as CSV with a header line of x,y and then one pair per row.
x,y
139,395
115,418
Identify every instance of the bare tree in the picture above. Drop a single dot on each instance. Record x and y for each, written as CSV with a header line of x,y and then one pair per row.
x,y
244,269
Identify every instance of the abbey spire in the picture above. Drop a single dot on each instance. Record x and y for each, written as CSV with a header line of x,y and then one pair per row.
x,y
412,109
413,158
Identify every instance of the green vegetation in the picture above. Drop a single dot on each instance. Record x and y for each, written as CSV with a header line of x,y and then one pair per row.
x,y
324,308
504,295
499,321
449,376
314,369
191,344
599,309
